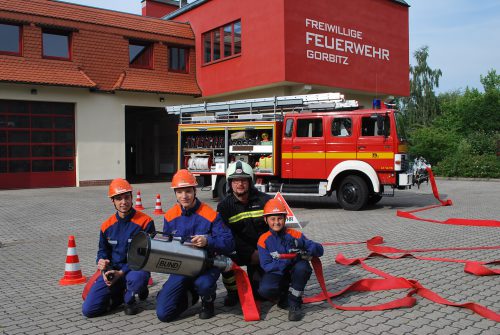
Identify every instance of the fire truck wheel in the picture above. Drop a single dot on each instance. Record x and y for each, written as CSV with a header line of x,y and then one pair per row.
x,y
352,193
221,188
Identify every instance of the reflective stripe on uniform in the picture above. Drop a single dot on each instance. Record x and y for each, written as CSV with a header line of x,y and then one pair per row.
x,y
246,215
296,293
230,283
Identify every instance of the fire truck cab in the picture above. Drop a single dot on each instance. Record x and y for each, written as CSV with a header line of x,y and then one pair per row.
x,y
310,145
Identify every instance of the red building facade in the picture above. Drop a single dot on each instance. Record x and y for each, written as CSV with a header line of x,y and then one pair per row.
x,y
351,46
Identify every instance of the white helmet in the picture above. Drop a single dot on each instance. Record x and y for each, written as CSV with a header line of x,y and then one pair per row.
x,y
239,169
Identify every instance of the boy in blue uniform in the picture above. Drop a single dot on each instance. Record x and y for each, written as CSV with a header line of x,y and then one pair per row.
x,y
118,283
198,223
284,279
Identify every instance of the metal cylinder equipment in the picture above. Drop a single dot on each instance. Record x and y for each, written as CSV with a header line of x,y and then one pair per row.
x,y
166,254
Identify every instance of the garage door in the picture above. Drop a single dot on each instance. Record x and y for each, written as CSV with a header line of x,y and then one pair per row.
x,y
37,144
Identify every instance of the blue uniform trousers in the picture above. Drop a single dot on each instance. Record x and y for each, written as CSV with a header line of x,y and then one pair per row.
x,y
272,285
172,299
102,298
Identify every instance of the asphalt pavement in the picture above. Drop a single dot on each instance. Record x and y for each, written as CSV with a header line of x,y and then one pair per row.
x,y
35,225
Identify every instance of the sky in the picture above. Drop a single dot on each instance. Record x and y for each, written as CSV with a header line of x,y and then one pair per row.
x,y
463,36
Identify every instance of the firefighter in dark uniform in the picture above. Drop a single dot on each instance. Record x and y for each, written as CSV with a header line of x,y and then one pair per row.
x,y
242,212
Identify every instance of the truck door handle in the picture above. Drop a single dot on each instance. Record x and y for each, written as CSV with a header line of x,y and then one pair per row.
x,y
296,147
361,147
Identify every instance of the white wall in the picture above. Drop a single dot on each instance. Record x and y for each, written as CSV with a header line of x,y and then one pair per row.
x,y
99,123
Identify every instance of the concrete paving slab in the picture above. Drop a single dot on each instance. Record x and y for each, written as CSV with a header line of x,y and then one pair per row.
x,y
35,225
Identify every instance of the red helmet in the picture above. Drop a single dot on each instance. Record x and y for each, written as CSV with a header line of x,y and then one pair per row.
x,y
274,207
118,186
183,178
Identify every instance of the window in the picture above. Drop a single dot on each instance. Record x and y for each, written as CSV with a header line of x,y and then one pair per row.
x,y
342,127
237,38
140,54
10,39
207,48
310,127
178,59
56,44
222,42
375,126
216,45
289,128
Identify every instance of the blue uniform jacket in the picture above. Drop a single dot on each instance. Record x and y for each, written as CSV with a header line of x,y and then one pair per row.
x,y
116,234
199,220
282,242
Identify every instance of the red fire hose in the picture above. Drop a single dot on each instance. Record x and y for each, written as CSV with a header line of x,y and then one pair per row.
x,y
448,202
389,282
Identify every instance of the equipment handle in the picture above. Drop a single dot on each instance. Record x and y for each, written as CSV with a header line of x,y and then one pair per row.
x,y
173,238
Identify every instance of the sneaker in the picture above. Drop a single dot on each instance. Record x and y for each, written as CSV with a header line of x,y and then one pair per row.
x,y
295,313
231,299
131,309
144,294
207,308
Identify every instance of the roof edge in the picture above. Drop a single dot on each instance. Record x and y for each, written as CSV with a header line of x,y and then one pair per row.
x,y
401,2
184,9
198,3
105,10
44,83
196,95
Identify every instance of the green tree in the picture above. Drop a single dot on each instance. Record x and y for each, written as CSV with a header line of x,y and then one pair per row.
x,y
433,143
491,82
471,111
421,107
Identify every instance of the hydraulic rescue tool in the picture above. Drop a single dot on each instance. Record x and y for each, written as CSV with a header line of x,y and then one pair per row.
x,y
172,255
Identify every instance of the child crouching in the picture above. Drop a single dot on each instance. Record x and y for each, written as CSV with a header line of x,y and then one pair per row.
x,y
284,279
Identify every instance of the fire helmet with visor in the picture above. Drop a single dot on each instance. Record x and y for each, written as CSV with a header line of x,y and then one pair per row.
x,y
239,169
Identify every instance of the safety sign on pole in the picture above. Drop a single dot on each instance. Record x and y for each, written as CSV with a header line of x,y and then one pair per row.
x,y
291,219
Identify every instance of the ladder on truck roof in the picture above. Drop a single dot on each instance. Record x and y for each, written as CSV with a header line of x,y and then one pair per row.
x,y
260,109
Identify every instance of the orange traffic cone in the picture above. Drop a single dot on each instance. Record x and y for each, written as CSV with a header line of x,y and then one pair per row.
x,y
72,273
138,202
158,210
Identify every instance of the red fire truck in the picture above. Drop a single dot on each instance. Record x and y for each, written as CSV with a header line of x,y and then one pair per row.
x,y
305,145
